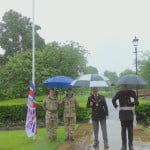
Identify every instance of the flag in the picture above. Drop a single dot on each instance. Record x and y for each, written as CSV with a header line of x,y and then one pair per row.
x,y
31,125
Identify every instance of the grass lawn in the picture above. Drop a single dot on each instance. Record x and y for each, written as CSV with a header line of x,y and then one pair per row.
x,y
141,101
20,100
147,130
82,100
18,140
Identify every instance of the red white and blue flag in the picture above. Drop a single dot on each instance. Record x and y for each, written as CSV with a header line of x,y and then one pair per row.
x,y
31,125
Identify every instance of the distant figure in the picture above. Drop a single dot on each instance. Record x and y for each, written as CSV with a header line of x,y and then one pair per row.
x,y
50,104
127,99
70,105
99,114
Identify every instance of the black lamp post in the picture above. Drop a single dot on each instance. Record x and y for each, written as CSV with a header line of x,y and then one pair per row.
x,y
135,43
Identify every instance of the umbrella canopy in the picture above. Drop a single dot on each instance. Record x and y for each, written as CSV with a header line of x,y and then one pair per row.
x,y
131,79
59,82
90,80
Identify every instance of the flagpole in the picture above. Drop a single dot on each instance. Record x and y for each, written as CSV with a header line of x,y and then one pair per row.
x,y
33,42
31,124
33,48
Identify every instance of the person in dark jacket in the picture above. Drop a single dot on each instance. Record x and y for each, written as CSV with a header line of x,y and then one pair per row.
x,y
99,114
127,99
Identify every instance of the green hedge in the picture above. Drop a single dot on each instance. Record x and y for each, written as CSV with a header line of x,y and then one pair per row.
x,y
143,113
10,114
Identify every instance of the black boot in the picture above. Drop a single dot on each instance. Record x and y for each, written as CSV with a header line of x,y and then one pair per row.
x,y
72,138
95,144
106,146
124,147
131,147
54,138
67,138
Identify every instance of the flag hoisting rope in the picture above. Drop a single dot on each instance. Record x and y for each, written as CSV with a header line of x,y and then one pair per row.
x,y
31,125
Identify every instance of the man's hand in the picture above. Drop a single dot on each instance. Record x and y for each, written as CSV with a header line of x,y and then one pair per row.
x,y
107,117
91,103
59,102
118,108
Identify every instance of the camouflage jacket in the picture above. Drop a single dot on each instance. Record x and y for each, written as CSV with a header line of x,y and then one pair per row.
x,y
50,104
70,104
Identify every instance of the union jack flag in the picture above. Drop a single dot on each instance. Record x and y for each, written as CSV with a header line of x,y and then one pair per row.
x,y
31,125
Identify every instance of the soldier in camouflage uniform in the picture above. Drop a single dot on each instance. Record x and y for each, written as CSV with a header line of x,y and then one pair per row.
x,y
50,104
70,104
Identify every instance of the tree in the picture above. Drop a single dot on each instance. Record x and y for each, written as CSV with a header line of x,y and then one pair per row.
x,y
53,60
68,57
90,70
16,34
3,60
127,71
112,76
144,65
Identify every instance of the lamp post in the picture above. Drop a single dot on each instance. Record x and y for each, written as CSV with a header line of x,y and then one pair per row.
x,y
135,43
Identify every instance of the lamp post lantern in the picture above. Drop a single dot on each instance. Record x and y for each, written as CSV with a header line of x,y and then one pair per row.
x,y
135,44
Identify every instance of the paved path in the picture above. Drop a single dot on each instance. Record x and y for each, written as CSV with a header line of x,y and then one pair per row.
x,y
84,135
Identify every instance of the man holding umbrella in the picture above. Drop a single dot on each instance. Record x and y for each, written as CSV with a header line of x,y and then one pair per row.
x,y
99,114
127,99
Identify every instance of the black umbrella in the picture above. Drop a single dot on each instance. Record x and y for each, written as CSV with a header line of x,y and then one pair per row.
x,y
90,80
131,79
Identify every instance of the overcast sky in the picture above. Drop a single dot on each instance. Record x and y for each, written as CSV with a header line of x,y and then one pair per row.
x,y
105,28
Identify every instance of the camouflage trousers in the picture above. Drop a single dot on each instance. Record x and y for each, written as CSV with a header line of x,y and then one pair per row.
x,y
69,125
51,127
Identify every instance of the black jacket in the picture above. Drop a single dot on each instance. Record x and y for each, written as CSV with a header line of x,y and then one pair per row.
x,y
124,98
99,108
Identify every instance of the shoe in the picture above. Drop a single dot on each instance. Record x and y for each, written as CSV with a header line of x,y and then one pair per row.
x,y
124,147
72,138
54,138
67,138
95,144
131,147
51,140
106,146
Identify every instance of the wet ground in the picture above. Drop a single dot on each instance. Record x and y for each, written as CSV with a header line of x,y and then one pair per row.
x,y
84,135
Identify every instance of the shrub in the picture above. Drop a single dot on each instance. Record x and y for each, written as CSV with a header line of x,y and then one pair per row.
x,y
83,113
14,114
143,113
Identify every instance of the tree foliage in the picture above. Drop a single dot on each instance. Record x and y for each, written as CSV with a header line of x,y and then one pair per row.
x,y
55,59
112,76
127,71
144,66
16,34
90,70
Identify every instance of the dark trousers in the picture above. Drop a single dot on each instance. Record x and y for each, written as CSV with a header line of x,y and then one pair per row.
x,y
127,126
103,128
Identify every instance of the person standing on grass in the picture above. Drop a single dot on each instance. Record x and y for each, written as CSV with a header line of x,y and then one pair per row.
x,y
99,114
70,105
126,114
50,104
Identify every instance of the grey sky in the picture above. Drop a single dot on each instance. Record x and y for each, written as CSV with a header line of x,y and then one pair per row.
x,y
104,27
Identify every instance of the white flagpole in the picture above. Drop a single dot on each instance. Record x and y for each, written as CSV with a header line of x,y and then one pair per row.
x,y
31,125
33,43
33,47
